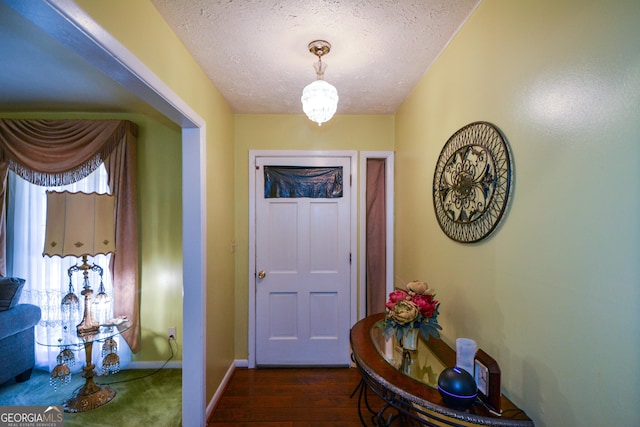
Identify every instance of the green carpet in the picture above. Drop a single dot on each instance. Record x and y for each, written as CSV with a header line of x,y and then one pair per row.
x,y
155,400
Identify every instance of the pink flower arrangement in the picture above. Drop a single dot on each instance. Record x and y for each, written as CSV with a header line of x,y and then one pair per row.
x,y
414,307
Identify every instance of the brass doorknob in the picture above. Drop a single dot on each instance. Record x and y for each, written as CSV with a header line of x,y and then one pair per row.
x,y
262,274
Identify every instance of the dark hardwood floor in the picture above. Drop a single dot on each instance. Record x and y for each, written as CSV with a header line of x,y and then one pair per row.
x,y
310,397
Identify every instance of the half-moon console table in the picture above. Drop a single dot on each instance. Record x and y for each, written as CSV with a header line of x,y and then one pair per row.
x,y
409,389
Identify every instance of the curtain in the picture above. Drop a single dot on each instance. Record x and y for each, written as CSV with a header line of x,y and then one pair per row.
x,y
59,152
46,277
376,264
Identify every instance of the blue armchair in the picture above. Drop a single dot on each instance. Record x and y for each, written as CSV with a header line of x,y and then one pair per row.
x,y
17,325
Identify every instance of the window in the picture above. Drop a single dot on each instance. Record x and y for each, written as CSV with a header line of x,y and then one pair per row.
x,y
47,280
296,181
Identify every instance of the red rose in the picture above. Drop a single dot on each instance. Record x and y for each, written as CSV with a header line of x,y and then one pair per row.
x,y
426,304
395,297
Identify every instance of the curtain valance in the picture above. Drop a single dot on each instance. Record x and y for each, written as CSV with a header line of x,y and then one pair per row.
x,y
59,152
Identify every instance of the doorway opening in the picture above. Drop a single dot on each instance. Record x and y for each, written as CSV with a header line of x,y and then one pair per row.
x,y
376,230
73,27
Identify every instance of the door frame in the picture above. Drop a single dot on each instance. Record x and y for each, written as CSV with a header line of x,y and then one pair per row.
x,y
353,205
388,156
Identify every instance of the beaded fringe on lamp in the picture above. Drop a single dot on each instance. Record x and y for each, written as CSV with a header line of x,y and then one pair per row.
x,y
61,373
111,361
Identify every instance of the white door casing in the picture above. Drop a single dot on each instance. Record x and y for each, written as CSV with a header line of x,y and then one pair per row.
x,y
305,301
388,156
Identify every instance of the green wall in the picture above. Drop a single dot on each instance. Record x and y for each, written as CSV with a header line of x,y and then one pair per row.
x,y
553,294
290,132
160,226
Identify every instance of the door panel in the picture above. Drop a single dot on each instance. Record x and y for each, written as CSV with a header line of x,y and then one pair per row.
x,y
283,320
323,238
283,237
303,246
323,317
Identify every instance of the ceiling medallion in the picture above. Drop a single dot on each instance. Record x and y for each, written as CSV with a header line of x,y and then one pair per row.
x,y
471,182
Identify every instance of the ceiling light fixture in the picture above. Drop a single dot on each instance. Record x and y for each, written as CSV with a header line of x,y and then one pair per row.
x,y
319,98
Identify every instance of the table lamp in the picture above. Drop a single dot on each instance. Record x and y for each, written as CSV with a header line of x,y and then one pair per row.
x,y
81,225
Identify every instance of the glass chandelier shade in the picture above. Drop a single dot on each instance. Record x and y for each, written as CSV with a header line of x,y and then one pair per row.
x,y
101,304
319,98
319,101
70,309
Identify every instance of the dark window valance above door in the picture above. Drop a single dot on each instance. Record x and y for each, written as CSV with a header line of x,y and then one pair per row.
x,y
302,181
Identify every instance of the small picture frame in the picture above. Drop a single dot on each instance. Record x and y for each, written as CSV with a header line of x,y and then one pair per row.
x,y
486,372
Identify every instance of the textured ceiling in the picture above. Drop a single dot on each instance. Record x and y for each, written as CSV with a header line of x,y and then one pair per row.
x,y
255,51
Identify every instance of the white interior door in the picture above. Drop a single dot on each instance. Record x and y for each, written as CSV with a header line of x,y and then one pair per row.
x,y
303,262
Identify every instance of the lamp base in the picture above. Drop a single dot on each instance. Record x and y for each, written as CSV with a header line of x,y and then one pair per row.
x,y
90,396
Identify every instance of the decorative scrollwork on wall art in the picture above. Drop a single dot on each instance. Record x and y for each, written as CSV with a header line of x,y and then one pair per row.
x,y
471,182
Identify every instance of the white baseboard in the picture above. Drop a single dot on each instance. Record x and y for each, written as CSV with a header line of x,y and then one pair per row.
x,y
238,363
223,385
154,365
242,363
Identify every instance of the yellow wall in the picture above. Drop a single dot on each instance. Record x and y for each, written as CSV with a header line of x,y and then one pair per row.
x,y
554,293
290,132
160,50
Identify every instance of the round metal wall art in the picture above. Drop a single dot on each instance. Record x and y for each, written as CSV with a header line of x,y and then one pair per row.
x,y
471,182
